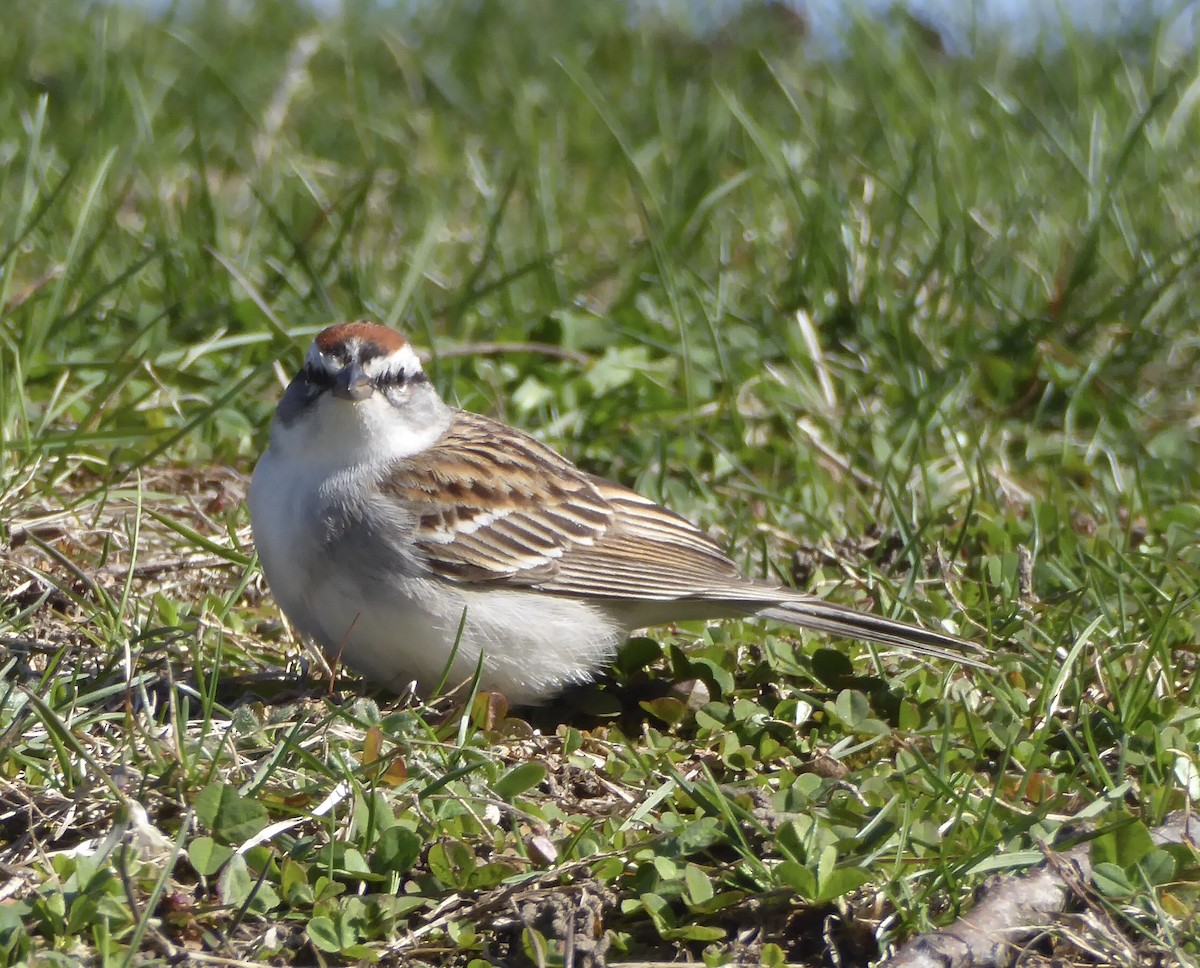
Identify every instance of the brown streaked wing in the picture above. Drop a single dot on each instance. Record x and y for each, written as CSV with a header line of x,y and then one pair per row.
x,y
495,505
650,554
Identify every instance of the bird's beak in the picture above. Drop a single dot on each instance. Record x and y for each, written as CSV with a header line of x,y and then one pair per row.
x,y
353,384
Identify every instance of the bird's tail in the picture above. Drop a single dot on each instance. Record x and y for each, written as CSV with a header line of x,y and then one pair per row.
x,y
819,615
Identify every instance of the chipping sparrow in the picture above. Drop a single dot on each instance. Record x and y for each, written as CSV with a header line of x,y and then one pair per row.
x,y
386,519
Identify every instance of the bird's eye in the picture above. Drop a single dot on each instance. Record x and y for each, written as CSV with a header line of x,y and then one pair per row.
x,y
317,377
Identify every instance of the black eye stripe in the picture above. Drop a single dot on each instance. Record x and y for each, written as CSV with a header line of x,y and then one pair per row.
x,y
318,377
368,353
393,379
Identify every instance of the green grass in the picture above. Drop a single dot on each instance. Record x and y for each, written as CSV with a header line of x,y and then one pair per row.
x,y
896,324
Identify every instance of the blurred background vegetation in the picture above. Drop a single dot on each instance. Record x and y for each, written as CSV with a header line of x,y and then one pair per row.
x,y
916,323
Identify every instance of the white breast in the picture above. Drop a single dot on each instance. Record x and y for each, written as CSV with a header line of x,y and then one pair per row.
x,y
396,624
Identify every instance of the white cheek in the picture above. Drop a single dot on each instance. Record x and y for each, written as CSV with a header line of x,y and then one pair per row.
x,y
402,361
338,434
382,427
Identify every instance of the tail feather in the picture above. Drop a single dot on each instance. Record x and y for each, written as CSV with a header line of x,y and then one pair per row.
x,y
818,615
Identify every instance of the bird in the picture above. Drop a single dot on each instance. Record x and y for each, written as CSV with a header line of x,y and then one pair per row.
x,y
420,544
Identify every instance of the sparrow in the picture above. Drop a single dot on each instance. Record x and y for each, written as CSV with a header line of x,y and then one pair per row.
x,y
419,543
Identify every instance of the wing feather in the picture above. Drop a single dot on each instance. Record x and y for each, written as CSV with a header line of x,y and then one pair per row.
x,y
494,505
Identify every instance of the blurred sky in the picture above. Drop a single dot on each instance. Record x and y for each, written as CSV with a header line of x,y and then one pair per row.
x,y
1022,24
1019,24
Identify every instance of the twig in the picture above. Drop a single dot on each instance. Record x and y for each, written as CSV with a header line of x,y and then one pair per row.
x,y
1013,910
152,568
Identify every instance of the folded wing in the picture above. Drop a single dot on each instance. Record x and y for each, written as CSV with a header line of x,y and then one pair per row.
x,y
494,506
